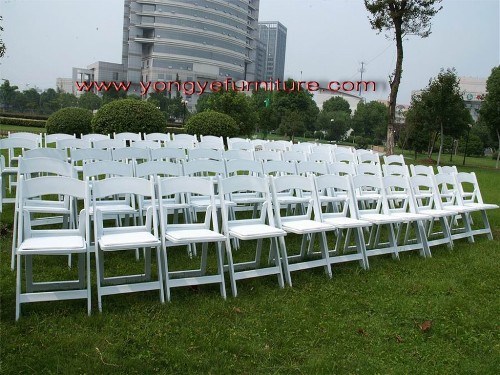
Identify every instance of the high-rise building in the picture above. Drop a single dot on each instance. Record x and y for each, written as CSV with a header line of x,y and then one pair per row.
x,y
273,37
194,40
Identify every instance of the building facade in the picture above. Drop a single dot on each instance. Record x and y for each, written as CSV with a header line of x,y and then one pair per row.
x,y
272,35
196,40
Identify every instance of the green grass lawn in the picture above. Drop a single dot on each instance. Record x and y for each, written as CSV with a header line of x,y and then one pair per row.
x,y
30,129
358,322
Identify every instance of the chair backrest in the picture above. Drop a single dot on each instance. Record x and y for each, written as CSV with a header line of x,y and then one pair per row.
x,y
368,157
131,154
369,169
128,136
182,137
265,155
159,168
52,153
447,188
238,154
244,166
279,167
320,156
65,144
233,140
210,141
26,135
158,137
423,170
258,144
169,154
52,166
395,170
150,144
277,146
394,159
310,167
339,168
107,168
305,147
205,168
398,193
447,169
185,144
55,138
243,145
88,155
109,144
345,157
294,156
204,153
369,190
19,144
92,137
425,192
467,183
335,189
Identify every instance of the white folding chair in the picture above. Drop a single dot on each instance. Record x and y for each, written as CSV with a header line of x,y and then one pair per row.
x,y
51,153
423,170
395,170
238,154
336,206
450,169
204,153
187,140
394,160
15,148
369,169
211,142
402,204
296,156
340,169
56,138
131,155
243,145
266,155
52,242
127,136
301,223
160,138
245,229
93,137
234,140
320,156
35,137
147,144
109,144
373,207
81,156
470,195
175,234
125,238
169,154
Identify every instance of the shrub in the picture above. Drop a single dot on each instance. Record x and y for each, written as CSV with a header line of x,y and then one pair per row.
x,y
212,123
70,120
24,115
363,142
128,115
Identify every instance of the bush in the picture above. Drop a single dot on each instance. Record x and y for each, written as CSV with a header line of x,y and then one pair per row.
x,y
22,122
24,115
71,120
212,123
363,142
128,115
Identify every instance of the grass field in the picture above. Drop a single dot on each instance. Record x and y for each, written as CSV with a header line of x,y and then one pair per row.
x,y
416,315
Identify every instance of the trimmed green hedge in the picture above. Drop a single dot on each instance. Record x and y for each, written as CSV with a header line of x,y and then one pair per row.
x,y
71,120
212,123
24,115
128,115
23,122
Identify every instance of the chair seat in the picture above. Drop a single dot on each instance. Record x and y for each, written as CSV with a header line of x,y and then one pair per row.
x,y
408,216
305,226
459,209
347,222
53,245
254,231
436,212
482,206
127,240
380,218
193,235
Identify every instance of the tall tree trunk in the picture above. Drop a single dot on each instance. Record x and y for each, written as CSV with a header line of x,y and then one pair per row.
x,y
498,150
440,145
394,83
431,149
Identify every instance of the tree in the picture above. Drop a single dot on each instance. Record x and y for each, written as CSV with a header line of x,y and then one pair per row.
x,y
404,18
370,120
90,101
490,109
113,94
48,101
32,99
292,123
7,94
65,100
235,104
441,109
334,124
2,44
336,103
262,103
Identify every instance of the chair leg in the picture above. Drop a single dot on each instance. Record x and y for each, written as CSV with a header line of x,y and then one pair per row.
x,y
99,276
18,287
486,223
231,268
14,241
89,296
160,276
324,253
220,269
284,260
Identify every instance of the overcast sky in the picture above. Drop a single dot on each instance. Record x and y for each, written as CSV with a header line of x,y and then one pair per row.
x,y
327,39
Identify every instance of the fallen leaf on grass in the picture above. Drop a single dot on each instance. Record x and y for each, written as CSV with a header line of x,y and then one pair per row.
x,y
399,339
425,326
237,310
362,332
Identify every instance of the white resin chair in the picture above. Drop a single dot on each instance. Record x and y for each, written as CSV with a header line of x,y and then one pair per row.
x,y
160,138
174,234
169,154
238,154
52,242
256,229
126,238
301,223
126,136
14,149
204,153
51,153
56,138
266,155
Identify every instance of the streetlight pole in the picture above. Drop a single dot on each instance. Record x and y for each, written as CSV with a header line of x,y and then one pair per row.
x,y
467,142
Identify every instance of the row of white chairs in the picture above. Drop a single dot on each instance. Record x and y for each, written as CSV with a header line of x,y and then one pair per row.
x,y
332,208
